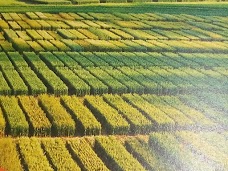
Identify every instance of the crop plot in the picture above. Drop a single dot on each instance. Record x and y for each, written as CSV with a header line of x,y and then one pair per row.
x,y
113,91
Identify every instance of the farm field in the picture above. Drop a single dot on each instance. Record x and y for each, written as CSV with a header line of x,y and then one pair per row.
x,y
113,91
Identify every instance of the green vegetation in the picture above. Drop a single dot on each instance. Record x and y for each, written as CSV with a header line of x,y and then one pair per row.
x,y
115,155
110,85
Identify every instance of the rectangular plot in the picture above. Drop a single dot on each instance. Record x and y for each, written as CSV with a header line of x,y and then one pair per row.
x,y
16,121
62,122
157,116
112,151
149,85
45,34
35,46
48,46
32,147
50,59
60,45
77,24
14,25
40,125
113,85
76,85
66,34
20,44
3,25
122,58
72,45
5,62
67,60
4,87
44,24
132,85
83,61
10,159
17,60
93,58
15,82
180,119
23,35
52,82
32,15
88,34
35,85
81,149
10,34
96,86
34,34
23,25
34,24
59,155
113,122
87,123
138,122
7,16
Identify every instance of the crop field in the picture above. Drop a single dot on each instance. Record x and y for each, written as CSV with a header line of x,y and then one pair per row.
x,y
121,91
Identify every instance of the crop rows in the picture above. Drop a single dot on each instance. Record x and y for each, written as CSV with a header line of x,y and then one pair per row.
x,y
93,32
109,114
113,91
166,151
87,73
